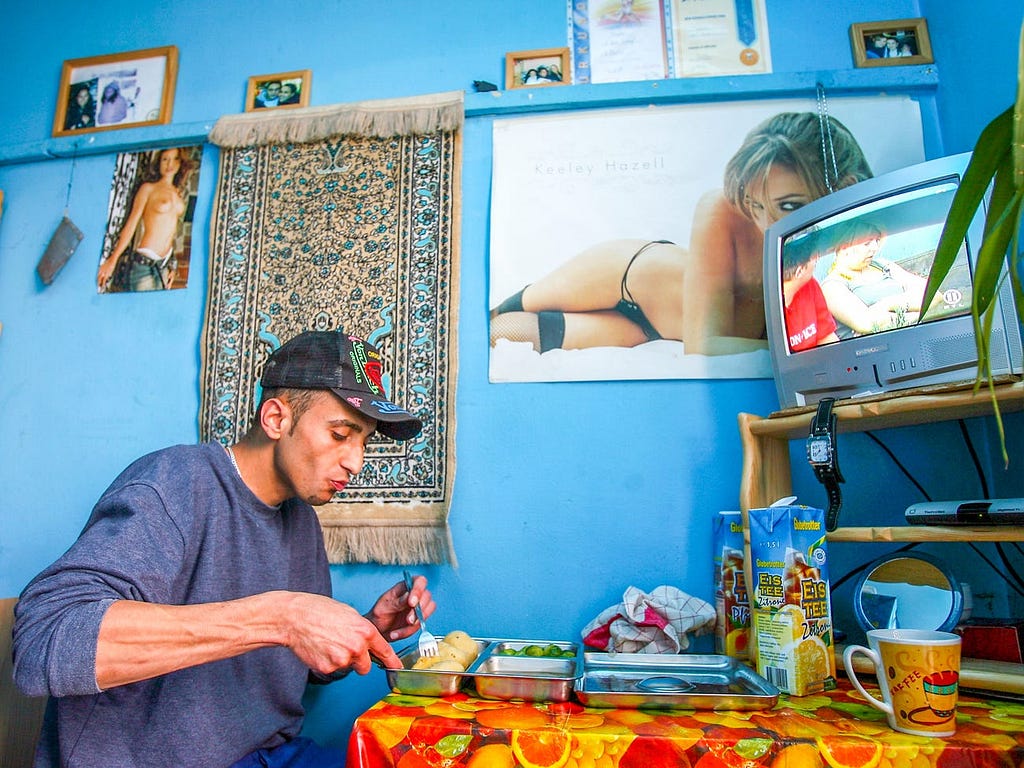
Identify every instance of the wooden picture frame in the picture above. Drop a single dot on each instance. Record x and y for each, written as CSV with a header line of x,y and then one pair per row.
x,y
891,43
119,90
520,64
256,94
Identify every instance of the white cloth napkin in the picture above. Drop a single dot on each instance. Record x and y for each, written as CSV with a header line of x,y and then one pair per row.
x,y
650,623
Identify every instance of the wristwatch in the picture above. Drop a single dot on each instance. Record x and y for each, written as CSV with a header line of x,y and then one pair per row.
x,y
823,456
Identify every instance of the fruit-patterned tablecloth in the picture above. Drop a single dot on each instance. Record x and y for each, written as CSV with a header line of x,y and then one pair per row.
x,y
837,728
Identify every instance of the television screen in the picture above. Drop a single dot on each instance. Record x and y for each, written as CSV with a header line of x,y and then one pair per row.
x,y
872,264
844,279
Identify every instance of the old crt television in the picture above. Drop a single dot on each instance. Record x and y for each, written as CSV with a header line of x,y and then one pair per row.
x,y
908,349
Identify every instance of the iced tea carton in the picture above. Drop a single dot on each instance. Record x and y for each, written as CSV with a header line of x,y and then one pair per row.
x,y
732,607
791,623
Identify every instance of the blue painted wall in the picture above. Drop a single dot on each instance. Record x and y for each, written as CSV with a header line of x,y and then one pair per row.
x,y
565,493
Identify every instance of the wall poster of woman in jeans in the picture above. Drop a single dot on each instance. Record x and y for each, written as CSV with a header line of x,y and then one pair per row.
x,y
149,228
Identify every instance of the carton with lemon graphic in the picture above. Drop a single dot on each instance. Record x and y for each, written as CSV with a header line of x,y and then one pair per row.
x,y
732,606
792,612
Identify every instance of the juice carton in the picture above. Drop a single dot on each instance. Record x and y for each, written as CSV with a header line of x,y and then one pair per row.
x,y
732,607
791,625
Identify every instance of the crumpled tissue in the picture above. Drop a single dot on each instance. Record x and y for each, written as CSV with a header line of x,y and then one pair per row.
x,y
650,623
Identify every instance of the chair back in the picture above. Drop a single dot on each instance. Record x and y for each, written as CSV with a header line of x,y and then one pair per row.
x,y
21,717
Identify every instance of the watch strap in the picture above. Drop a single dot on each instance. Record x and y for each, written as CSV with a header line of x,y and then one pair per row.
x,y
829,475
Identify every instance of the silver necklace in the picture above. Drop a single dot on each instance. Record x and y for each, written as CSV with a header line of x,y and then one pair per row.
x,y
234,463
825,128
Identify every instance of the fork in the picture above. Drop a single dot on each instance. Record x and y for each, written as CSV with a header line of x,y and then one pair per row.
x,y
427,642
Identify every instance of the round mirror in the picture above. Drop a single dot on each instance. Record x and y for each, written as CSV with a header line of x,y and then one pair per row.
x,y
901,591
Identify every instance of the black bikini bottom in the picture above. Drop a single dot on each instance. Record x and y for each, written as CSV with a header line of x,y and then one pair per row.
x,y
629,308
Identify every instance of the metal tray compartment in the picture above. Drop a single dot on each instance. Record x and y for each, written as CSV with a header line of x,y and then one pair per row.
x,y
500,675
676,681
428,682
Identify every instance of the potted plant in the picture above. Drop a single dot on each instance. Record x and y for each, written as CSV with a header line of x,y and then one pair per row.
x,y
997,160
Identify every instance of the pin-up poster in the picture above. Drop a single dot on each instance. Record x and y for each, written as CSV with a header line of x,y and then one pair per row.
x,y
600,225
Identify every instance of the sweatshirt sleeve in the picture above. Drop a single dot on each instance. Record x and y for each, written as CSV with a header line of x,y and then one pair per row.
x,y
130,550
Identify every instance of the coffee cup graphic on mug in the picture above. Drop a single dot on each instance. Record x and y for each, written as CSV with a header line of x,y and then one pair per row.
x,y
918,673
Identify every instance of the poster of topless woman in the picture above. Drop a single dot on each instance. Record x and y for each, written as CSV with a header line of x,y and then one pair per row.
x,y
148,242
628,244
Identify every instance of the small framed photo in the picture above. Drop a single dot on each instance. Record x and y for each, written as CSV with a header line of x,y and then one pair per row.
x,y
891,43
530,69
119,90
285,89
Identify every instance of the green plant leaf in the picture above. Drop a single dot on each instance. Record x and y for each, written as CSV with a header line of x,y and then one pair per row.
x,y
1003,190
989,153
1018,124
992,254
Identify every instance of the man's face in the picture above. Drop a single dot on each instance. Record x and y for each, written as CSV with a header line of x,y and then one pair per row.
x,y
320,452
273,90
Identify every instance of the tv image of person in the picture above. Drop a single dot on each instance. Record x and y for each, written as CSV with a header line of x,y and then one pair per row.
x,y
709,295
809,322
865,292
289,94
114,106
152,225
184,624
81,108
269,95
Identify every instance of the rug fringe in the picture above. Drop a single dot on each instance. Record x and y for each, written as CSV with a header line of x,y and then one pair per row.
x,y
392,545
379,118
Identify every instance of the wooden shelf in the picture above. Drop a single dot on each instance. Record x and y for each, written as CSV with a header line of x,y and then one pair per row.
x,y
915,406
977,674
911,80
924,533
766,458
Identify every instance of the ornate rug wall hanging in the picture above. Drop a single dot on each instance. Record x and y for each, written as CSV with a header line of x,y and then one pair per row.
x,y
346,217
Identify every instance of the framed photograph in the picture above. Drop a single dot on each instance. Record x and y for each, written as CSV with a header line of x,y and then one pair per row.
x,y
284,89
120,90
530,69
891,43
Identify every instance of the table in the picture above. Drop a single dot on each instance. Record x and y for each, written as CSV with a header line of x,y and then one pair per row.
x,y
422,732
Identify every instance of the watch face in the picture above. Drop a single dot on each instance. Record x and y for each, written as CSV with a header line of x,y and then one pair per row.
x,y
818,450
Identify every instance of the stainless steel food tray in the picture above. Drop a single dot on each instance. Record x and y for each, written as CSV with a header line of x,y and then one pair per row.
x,y
494,674
635,680
428,682
529,678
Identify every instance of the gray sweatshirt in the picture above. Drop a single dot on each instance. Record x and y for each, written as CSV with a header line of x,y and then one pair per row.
x,y
176,527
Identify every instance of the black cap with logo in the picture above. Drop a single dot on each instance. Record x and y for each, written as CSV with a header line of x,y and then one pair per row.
x,y
346,365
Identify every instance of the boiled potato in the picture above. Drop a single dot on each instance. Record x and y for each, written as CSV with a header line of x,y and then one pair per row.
x,y
447,651
462,641
426,662
448,665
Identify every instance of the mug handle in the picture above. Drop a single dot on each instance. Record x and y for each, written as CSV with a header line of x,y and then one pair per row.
x,y
848,655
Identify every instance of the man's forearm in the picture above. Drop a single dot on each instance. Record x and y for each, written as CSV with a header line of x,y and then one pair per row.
x,y
138,641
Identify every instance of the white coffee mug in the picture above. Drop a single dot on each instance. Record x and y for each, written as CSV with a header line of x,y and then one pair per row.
x,y
918,672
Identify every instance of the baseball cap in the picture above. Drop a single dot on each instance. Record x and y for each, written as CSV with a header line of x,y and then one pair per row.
x,y
346,365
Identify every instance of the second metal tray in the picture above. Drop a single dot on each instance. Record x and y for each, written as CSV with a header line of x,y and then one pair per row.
x,y
500,671
634,680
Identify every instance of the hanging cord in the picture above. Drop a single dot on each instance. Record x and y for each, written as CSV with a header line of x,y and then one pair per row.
x,y
1012,577
1015,580
974,457
825,129
71,179
899,464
